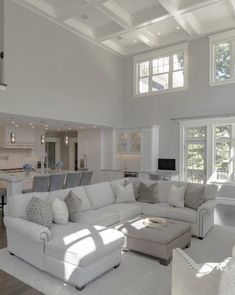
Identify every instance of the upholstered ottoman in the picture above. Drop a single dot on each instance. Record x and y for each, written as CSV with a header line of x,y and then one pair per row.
x,y
157,242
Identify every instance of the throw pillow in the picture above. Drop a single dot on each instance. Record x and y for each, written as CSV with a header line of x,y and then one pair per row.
x,y
194,196
39,212
148,194
176,196
74,205
125,194
60,212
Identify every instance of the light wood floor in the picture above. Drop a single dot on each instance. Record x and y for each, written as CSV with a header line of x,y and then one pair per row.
x,y
224,215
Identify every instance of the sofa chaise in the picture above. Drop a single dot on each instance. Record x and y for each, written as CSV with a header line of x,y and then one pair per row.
x,y
80,252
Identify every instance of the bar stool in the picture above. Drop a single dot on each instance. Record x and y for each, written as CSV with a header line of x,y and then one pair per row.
x,y
56,182
3,193
86,178
41,183
73,179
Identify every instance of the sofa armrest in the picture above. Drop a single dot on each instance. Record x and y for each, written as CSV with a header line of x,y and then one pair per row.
x,y
191,278
28,229
207,208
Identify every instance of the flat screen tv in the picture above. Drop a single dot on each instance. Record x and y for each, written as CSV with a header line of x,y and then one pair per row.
x,y
166,164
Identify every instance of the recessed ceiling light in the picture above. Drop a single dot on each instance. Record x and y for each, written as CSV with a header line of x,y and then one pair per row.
x,y
94,126
30,124
16,125
134,41
158,33
13,122
177,27
81,127
32,127
58,129
46,128
46,125
69,128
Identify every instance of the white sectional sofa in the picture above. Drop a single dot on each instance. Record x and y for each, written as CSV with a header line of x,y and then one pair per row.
x,y
80,252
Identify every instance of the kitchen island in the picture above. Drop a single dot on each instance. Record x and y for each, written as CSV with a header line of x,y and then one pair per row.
x,y
16,181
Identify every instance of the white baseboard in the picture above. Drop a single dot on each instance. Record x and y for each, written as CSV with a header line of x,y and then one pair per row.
x,y
225,201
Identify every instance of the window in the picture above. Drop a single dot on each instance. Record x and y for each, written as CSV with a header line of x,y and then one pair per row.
x,y
207,150
161,71
222,58
224,146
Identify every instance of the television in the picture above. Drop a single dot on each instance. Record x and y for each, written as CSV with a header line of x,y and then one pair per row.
x,y
166,164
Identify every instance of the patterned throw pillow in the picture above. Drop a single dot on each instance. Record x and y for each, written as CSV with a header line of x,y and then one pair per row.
x,y
148,194
194,196
39,212
74,205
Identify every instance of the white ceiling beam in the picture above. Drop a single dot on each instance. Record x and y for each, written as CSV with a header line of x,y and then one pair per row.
x,y
69,9
147,37
114,46
80,27
42,5
231,4
190,28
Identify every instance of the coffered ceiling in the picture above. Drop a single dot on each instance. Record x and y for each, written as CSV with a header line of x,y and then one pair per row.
x,y
132,26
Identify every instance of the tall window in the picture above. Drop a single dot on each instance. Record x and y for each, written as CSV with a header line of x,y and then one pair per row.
x,y
161,71
208,151
195,154
224,146
222,58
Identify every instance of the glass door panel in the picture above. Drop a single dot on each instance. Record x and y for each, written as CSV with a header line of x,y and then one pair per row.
x,y
195,162
51,154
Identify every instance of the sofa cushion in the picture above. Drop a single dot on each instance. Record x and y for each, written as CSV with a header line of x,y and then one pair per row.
x,y
194,196
147,194
74,206
125,210
39,212
125,193
60,211
82,195
99,217
85,245
100,194
17,204
176,196
163,190
183,214
158,209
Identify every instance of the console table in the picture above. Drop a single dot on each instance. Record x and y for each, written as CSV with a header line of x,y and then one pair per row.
x,y
164,176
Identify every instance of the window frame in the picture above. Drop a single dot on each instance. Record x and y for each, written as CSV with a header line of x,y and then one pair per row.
x,y
150,56
228,36
211,124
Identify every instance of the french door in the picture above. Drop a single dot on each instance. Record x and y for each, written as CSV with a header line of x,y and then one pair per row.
x,y
195,151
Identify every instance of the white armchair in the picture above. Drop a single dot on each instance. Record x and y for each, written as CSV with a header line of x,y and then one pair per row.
x,y
190,278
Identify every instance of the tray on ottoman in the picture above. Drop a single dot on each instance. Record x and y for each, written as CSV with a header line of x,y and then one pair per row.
x,y
157,241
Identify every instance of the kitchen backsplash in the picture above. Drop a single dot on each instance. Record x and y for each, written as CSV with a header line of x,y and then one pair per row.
x,y
16,158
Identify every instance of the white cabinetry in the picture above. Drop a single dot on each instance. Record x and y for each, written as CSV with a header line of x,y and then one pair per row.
x,y
128,142
109,159
24,137
149,148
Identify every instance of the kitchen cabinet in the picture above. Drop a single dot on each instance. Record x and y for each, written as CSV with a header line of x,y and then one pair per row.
x,y
24,137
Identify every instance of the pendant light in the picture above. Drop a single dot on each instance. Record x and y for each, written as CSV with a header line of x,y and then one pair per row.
x,y
13,137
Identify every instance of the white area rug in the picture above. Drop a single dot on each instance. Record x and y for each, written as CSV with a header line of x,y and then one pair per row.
x,y
137,274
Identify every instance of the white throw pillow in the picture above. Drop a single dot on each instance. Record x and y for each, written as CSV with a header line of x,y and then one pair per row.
x,y
125,194
60,212
176,196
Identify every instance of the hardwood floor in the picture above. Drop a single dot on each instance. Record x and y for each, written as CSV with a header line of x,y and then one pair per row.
x,y
8,284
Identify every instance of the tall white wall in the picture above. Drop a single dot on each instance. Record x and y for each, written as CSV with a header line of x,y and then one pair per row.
x,y
52,73
199,100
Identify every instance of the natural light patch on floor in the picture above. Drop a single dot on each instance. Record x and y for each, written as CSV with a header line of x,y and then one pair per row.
x,y
207,268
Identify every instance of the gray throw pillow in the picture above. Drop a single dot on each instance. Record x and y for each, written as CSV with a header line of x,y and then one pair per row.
x,y
74,205
39,212
194,196
147,194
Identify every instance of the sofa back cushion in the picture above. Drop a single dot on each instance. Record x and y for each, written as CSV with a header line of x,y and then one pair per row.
x,y
17,204
100,194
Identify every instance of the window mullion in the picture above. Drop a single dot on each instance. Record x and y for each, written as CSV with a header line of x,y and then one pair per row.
x,y
150,75
170,71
